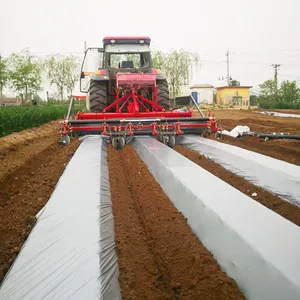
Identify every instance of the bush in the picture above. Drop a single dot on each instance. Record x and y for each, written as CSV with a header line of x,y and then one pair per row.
x,y
15,119
278,105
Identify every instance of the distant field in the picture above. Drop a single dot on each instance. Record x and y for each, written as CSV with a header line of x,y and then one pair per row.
x,y
15,119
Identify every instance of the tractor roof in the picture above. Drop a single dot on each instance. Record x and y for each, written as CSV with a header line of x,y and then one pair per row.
x,y
126,40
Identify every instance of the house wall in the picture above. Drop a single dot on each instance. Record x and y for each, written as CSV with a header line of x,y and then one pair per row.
x,y
225,96
205,95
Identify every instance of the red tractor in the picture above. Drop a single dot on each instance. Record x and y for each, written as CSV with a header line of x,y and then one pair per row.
x,y
127,97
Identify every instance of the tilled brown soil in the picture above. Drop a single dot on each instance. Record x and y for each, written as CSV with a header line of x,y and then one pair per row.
x,y
285,209
30,169
159,255
286,150
16,148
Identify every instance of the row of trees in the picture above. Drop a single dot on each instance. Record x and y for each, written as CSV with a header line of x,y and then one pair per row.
x,y
287,95
24,73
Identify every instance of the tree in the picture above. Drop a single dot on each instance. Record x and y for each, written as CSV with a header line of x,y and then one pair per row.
x,y
4,75
158,58
268,91
72,74
177,67
289,92
25,74
63,72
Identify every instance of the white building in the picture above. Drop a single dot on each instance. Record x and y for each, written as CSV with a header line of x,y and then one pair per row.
x,y
203,93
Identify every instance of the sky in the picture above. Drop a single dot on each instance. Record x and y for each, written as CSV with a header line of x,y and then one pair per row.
x,y
257,33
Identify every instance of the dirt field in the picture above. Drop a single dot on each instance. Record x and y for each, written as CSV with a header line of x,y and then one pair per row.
x,y
287,150
30,167
158,253
159,256
287,210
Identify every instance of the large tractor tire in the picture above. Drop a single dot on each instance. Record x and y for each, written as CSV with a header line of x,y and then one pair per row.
x,y
97,96
163,94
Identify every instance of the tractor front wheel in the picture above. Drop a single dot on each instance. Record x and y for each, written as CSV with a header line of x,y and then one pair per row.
x,y
163,94
98,96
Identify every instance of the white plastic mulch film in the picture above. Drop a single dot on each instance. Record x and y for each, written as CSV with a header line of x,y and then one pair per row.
x,y
275,176
70,253
277,114
255,246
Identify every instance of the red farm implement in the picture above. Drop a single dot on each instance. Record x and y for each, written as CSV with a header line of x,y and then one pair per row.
x,y
126,101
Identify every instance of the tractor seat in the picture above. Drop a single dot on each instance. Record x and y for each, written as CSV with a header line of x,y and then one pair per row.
x,y
127,64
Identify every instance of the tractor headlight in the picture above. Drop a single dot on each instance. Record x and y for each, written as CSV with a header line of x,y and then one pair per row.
x,y
141,41
112,41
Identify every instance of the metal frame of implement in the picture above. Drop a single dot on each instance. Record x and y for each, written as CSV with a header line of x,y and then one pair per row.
x,y
119,125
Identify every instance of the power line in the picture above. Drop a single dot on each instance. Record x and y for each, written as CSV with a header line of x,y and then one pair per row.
x,y
291,76
267,50
43,54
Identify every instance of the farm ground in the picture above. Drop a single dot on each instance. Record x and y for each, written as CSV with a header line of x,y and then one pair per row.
x,y
32,162
287,150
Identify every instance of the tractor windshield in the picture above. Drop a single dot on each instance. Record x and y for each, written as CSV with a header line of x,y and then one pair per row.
x,y
118,60
127,56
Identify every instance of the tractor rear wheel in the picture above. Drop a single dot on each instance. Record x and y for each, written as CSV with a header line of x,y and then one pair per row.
x,y
163,94
98,96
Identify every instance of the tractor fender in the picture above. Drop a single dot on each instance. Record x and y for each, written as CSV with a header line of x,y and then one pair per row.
x,y
98,77
160,77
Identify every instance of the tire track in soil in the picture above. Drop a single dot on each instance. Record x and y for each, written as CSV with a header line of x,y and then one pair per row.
x,y
286,209
158,254
24,192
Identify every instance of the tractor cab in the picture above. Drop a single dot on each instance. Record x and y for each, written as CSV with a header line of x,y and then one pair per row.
x,y
127,52
118,55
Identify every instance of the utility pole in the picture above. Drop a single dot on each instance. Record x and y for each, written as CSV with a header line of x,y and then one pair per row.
x,y
276,67
228,77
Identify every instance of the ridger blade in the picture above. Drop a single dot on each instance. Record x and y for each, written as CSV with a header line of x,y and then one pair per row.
x,y
135,127
141,116
120,129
